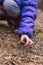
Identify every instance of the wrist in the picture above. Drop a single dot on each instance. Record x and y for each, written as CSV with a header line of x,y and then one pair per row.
x,y
25,35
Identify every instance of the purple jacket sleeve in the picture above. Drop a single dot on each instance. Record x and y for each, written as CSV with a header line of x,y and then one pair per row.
x,y
29,11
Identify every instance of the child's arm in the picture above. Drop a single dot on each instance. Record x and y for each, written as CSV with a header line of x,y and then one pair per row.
x,y
29,11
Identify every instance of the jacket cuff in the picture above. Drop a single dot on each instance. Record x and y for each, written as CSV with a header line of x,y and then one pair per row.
x,y
20,34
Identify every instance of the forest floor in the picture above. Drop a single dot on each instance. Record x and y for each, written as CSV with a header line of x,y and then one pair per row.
x,y
12,53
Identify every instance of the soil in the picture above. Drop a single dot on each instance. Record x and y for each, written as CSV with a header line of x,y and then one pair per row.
x,y
12,53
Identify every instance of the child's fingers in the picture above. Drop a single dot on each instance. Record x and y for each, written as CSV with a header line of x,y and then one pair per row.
x,y
25,40
26,44
29,42
22,38
21,41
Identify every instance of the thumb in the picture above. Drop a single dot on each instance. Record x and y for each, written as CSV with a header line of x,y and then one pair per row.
x,y
22,39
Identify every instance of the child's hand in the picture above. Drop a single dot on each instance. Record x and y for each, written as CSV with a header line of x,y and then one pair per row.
x,y
25,40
